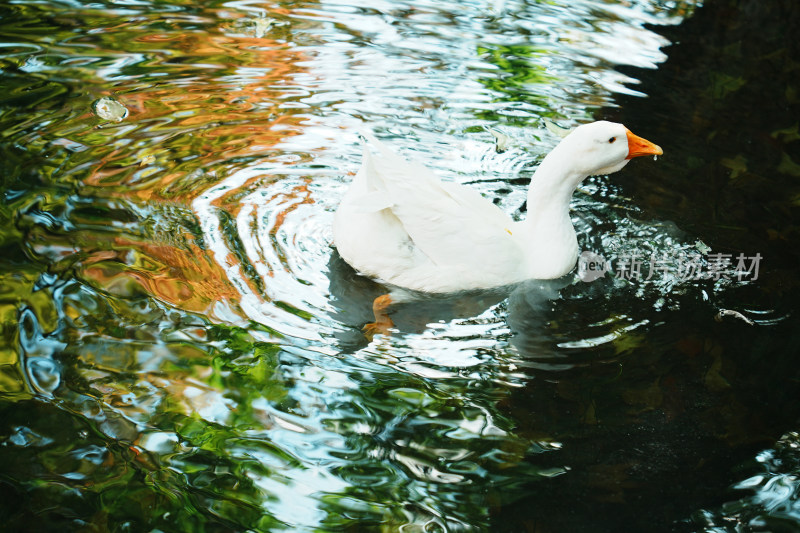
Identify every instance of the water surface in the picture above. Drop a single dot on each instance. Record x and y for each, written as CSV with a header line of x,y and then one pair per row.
x,y
183,348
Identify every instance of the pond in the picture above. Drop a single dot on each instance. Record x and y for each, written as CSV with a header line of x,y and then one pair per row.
x,y
183,348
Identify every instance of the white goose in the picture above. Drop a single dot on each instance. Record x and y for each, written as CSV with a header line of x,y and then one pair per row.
x,y
399,224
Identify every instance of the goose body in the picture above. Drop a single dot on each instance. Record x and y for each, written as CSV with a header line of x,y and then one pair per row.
x,y
399,224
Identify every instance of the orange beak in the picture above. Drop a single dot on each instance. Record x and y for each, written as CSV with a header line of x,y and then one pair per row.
x,y
638,146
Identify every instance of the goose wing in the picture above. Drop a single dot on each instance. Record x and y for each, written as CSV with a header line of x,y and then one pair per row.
x,y
449,223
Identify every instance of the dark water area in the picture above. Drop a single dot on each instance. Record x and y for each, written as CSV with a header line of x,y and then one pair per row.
x,y
182,349
725,105
728,96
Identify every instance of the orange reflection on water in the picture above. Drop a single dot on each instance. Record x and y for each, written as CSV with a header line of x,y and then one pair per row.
x,y
225,98
300,193
185,278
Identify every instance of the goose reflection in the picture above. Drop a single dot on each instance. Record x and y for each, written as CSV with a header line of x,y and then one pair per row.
x,y
526,308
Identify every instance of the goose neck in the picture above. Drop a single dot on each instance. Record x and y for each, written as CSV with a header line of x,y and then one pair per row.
x,y
552,186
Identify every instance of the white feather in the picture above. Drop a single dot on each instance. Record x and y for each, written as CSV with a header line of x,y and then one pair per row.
x,y
400,224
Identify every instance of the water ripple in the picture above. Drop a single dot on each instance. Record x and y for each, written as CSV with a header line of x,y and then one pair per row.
x,y
188,335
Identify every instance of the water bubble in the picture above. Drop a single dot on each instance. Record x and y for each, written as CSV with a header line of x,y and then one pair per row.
x,y
109,109
502,141
262,25
44,374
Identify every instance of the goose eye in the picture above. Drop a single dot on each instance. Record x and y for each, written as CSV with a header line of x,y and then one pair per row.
x,y
611,140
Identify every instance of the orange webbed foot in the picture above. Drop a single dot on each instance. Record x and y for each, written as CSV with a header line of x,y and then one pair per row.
x,y
382,322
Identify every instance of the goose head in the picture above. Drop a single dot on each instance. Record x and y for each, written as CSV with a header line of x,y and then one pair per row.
x,y
601,148
551,245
